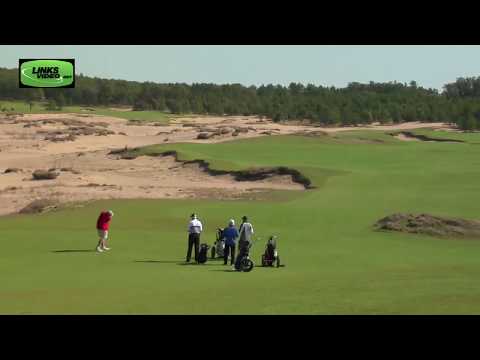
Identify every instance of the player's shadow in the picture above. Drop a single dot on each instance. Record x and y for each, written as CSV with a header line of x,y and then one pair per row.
x,y
73,251
255,268
171,262
158,261
194,263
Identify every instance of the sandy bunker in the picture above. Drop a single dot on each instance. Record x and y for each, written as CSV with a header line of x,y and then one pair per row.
x,y
410,136
76,146
96,175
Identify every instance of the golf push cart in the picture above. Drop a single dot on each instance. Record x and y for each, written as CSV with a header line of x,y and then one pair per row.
x,y
243,262
218,247
270,256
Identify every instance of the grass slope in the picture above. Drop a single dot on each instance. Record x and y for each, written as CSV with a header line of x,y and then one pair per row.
x,y
38,108
335,262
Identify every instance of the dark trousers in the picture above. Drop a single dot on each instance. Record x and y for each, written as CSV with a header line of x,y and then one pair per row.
x,y
193,239
229,249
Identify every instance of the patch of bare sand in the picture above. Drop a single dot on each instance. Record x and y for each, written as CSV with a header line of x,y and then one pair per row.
x,y
141,135
449,129
18,139
264,127
98,176
124,109
403,126
411,126
404,137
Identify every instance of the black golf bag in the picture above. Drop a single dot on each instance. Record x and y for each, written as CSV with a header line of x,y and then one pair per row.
x,y
203,254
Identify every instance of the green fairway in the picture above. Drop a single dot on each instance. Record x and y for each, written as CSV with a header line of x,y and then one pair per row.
x,y
335,262
469,137
39,108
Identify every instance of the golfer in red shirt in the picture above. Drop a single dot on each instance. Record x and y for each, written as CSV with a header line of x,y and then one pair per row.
x,y
103,224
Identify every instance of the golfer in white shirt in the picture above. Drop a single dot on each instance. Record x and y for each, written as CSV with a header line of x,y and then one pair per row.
x,y
246,232
195,228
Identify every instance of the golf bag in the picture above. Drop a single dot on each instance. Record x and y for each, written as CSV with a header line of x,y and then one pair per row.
x,y
243,261
219,246
270,256
203,254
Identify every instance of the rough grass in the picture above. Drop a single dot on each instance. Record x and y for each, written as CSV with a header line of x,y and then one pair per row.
x,y
39,108
39,206
12,170
44,175
422,137
431,225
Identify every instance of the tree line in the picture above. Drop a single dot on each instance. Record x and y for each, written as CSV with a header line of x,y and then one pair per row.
x,y
355,104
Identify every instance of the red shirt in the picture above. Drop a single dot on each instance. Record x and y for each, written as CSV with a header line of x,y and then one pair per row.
x,y
103,221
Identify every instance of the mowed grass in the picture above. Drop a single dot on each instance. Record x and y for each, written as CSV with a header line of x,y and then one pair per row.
x,y
335,262
39,108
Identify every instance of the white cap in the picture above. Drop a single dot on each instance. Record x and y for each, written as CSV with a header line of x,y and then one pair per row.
x,y
231,222
110,212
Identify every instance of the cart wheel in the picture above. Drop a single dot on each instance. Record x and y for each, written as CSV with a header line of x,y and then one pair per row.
x,y
246,265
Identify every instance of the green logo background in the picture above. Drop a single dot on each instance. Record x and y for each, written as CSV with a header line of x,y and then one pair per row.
x,y
31,79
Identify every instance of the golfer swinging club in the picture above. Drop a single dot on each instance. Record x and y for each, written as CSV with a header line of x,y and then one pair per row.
x,y
103,224
194,230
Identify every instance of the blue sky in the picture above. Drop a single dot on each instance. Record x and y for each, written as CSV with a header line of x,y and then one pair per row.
x,y
328,65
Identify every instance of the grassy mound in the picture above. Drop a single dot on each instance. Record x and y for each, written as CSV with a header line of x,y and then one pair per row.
x,y
44,175
204,136
39,206
422,137
12,170
430,225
